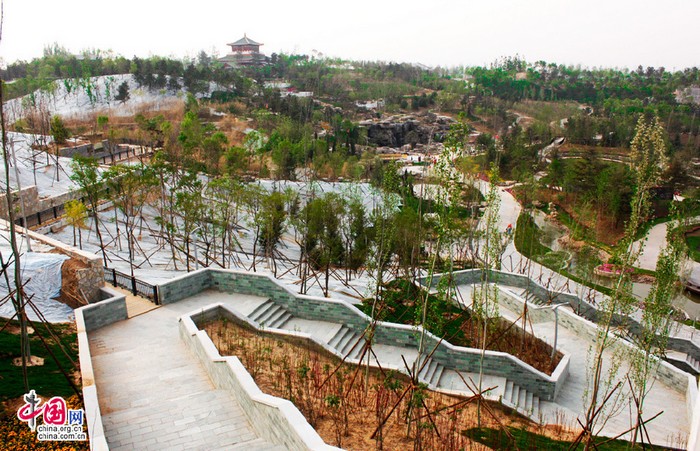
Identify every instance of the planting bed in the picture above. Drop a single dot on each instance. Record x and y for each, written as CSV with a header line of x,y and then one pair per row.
x,y
346,408
401,302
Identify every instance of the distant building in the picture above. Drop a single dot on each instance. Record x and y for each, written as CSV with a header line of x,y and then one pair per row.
x,y
244,52
371,104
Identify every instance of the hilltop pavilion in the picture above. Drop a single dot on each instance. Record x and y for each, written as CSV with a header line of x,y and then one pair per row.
x,y
244,52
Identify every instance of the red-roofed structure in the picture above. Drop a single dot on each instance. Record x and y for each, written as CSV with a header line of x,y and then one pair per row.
x,y
244,52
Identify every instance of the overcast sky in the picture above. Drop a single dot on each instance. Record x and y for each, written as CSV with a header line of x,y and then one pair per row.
x,y
593,33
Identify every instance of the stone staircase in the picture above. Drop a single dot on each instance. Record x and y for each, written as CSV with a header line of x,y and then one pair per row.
x,y
531,298
521,400
431,373
270,315
683,361
344,340
349,344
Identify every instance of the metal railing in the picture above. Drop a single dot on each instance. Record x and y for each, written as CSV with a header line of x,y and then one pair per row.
x,y
124,155
136,286
41,217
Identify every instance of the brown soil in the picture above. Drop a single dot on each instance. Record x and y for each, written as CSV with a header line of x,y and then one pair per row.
x,y
504,336
345,409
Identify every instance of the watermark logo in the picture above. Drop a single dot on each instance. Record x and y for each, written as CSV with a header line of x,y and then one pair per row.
x,y
60,423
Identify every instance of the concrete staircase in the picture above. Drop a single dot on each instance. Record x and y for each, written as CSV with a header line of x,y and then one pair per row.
x,y
531,298
431,373
347,342
521,400
270,315
683,361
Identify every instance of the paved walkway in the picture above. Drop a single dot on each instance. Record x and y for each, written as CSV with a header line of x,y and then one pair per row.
x,y
155,395
570,402
135,305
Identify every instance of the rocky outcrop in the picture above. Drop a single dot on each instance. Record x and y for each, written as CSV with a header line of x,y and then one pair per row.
x,y
400,130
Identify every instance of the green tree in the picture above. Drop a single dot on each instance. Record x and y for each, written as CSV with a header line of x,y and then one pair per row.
x,y
190,207
326,246
87,176
76,214
129,188
59,131
102,122
272,217
123,92
648,161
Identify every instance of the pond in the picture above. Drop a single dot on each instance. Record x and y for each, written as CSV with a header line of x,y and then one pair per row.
x,y
575,261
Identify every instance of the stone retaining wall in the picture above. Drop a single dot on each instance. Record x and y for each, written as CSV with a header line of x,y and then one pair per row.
x,y
323,309
584,309
667,373
105,312
33,203
184,286
90,278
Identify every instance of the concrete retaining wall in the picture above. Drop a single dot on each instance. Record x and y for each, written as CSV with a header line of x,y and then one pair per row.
x,y
307,307
667,373
275,419
676,341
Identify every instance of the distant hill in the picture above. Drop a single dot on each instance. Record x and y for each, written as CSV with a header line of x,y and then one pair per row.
x,y
82,98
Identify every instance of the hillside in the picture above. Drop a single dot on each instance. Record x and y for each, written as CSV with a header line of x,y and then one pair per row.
x,y
85,98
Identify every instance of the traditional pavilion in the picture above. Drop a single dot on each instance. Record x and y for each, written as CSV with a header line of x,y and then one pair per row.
x,y
244,52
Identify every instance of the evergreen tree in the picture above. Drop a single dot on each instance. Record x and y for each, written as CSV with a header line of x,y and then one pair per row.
x,y
122,92
58,130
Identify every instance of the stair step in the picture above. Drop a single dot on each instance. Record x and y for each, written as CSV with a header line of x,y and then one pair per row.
x,y
346,343
435,379
425,367
260,309
432,368
351,341
272,316
536,407
522,398
514,395
281,319
265,318
357,352
508,391
342,332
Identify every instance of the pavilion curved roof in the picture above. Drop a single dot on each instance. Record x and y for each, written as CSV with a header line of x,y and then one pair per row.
x,y
245,40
